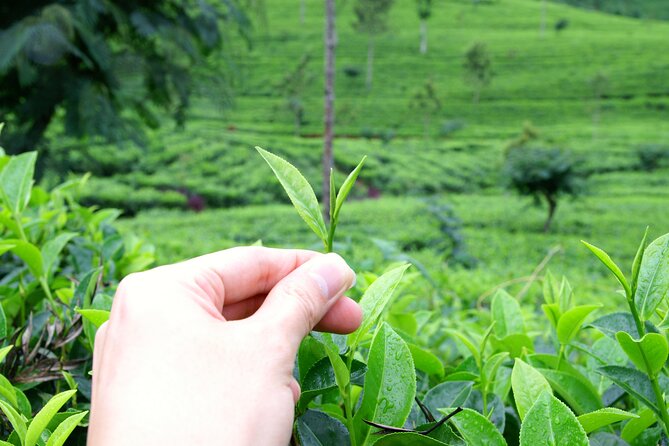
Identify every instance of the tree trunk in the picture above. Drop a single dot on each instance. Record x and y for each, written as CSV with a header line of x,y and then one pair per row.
x,y
542,26
328,120
370,64
423,36
552,206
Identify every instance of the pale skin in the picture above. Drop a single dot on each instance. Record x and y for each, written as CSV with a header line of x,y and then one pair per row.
x,y
202,352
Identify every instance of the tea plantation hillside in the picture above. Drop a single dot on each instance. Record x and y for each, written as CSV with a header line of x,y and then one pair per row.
x,y
546,79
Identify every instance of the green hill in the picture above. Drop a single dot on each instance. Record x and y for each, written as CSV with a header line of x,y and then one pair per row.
x,y
652,9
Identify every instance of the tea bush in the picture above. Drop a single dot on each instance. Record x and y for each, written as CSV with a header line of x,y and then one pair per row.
x,y
61,262
495,375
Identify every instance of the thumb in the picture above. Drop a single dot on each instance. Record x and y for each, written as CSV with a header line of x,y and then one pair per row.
x,y
303,297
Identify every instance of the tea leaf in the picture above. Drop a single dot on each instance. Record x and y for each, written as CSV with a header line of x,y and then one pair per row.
x,y
321,378
553,313
447,394
96,317
316,428
648,354
4,351
634,427
51,250
580,395
493,363
475,428
570,322
375,300
636,264
390,383
426,361
611,324
550,422
514,344
606,439
611,265
310,352
299,191
16,180
342,377
30,255
633,381
3,323
64,429
41,420
346,188
506,314
16,420
653,283
8,391
407,439
603,417
527,384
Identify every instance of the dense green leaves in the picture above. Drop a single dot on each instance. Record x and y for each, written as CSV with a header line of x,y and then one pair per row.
x,y
527,384
648,354
299,191
633,381
549,422
15,419
316,428
41,420
574,389
390,383
64,429
653,281
612,323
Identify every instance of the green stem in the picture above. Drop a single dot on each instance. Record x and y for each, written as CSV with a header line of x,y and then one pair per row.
x,y
560,356
637,320
662,405
348,402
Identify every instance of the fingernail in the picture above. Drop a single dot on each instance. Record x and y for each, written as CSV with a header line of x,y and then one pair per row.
x,y
332,274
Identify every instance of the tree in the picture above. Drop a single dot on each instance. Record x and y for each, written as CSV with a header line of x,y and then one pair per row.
x,y
478,68
109,67
328,115
371,18
424,13
293,87
426,102
544,174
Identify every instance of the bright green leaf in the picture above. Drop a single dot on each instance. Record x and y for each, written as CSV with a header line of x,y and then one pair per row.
x,y
553,313
51,250
603,417
346,188
653,282
299,191
550,422
15,419
633,428
96,317
475,428
506,313
527,384
64,429
636,264
610,264
8,391
407,439
41,420
571,321
16,181
426,361
375,299
31,255
574,390
390,383
648,354
3,323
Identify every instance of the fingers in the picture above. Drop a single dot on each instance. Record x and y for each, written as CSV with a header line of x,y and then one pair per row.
x,y
232,275
344,316
299,301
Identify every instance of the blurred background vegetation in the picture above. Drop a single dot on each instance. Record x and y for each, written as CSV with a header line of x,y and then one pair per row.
x,y
499,132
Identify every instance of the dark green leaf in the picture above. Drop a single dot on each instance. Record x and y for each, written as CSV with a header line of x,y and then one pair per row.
x,y
648,354
321,378
653,282
51,250
310,352
407,439
633,381
316,428
390,383
299,191
3,323
549,422
580,395
606,439
16,181
615,322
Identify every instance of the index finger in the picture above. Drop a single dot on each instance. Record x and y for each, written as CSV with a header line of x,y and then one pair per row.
x,y
246,271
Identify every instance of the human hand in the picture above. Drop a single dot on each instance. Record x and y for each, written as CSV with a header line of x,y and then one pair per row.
x,y
202,352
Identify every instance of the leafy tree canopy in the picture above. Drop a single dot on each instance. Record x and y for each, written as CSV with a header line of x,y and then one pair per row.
x,y
108,66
